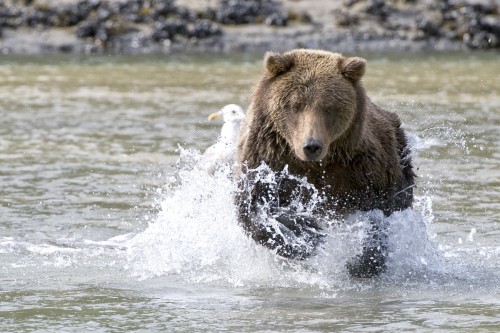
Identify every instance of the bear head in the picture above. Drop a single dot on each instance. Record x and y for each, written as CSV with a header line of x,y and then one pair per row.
x,y
312,98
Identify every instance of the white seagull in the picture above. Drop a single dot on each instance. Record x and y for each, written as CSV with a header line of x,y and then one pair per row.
x,y
224,150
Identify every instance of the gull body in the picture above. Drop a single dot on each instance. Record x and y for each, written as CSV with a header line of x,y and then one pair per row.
x,y
224,150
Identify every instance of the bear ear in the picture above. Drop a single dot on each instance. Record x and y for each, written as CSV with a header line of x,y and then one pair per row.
x,y
276,63
353,68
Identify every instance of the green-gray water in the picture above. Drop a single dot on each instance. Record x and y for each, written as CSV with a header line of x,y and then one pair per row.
x,y
101,230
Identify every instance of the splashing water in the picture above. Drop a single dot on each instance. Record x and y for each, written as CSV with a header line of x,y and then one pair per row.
x,y
196,237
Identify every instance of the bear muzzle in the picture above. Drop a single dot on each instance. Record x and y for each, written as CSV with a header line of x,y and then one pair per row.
x,y
312,149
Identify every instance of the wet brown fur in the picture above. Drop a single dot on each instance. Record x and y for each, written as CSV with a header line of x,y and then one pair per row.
x,y
303,94
367,163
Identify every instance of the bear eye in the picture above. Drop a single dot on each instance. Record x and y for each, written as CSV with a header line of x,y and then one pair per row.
x,y
297,106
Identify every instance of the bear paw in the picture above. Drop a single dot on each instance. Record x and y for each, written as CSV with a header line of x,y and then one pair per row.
x,y
368,265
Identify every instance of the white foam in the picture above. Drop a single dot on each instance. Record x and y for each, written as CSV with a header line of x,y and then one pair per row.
x,y
196,237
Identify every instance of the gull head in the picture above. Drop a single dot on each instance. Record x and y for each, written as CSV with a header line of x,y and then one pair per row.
x,y
229,113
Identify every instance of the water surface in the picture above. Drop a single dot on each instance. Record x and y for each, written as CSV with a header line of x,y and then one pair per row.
x,y
103,228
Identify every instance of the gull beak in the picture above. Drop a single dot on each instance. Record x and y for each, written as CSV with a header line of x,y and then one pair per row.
x,y
215,115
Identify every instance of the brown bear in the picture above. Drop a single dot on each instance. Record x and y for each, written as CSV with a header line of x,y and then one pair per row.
x,y
310,118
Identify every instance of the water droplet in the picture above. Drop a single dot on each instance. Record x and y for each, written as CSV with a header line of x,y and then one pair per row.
x,y
470,237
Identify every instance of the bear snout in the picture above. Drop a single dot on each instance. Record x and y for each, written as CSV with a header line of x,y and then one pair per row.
x,y
312,149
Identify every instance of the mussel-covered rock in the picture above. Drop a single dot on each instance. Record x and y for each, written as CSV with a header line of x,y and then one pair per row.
x,y
251,11
378,8
173,27
92,29
108,23
430,24
276,19
140,11
476,23
10,17
204,29
169,29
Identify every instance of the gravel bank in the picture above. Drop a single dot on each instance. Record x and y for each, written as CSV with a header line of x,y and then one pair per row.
x,y
222,26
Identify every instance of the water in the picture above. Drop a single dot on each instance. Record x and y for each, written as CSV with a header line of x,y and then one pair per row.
x,y
104,228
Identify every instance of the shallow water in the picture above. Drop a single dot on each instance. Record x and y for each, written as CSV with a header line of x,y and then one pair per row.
x,y
103,228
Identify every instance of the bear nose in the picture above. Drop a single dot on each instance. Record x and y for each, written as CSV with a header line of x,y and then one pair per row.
x,y
312,148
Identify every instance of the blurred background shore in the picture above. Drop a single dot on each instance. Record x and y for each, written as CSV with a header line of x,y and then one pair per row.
x,y
223,26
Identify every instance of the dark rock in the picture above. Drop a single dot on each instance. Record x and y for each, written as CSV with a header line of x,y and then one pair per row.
x,y
186,14
92,28
482,7
101,34
250,11
141,11
10,17
204,29
163,7
103,13
430,25
276,19
208,14
475,23
85,7
134,11
349,3
490,23
345,18
480,40
68,16
116,25
169,29
35,18
237,12
378,8
66,48
303,17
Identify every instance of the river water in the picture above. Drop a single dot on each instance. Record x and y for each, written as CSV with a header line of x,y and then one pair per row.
x,y
107,225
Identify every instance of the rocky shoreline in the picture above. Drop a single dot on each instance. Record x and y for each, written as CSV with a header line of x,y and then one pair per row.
x,y
222,26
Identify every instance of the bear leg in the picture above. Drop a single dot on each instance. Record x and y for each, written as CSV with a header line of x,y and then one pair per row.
x,y
371,262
